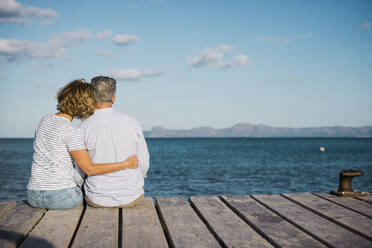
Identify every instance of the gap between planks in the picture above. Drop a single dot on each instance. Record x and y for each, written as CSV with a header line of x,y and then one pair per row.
x,y
360,207
324,230
317,209
192,206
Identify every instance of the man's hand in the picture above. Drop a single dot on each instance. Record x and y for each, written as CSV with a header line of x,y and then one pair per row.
x,y
132,161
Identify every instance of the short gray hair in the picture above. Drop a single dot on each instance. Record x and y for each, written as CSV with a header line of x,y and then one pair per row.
x,y
104,88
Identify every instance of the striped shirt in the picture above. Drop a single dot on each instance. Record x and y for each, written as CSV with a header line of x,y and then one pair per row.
x,y
52,165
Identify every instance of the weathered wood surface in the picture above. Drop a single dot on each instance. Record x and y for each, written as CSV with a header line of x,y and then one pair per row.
x,y
269,224
289,220
334,212
17,223
99,228
353,204
184,227
317,226
55,229
5,207
141,227
367,198
226,225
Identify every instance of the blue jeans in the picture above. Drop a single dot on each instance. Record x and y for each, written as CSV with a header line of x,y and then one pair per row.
x,y
55,199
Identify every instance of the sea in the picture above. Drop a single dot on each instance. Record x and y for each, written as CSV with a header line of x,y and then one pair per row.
x,y
222,166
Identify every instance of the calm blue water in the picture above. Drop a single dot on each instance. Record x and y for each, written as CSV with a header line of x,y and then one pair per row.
x,y
215,166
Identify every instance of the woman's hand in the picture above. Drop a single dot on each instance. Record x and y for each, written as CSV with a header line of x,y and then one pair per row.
x,y
132,161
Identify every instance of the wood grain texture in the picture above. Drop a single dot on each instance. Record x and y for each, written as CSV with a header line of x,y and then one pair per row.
x,y
17,223
184,227
327,231
229,227
5,207
141,226
335,212
367,198
359,206
274,227
55,229
99,228
302,220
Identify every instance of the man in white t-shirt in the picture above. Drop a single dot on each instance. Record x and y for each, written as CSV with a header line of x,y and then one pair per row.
x,y
111,136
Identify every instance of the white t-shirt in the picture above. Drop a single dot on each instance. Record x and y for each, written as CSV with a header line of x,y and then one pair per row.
x,y
112,137
52,165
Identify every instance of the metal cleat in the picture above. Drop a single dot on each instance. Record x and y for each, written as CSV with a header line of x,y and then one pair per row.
x,y
345,189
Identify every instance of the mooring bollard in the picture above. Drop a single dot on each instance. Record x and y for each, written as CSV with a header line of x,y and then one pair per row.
x,y
345,189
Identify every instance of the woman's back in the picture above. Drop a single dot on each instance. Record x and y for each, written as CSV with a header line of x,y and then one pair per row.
x,y
52,166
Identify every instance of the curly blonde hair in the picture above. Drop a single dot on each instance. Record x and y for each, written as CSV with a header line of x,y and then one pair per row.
x,y
76,99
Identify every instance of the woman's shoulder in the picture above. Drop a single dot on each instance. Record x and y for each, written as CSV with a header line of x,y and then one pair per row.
x,y
47,117
59,123
46,120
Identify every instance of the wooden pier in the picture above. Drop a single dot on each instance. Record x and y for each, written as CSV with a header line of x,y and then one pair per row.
x,y
287,220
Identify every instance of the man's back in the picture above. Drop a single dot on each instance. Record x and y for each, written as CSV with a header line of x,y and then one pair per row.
x,y
112,137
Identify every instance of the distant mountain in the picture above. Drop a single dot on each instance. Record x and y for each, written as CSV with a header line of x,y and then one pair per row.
x,y
249,130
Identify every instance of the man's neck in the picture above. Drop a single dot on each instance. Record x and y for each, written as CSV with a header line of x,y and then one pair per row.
x,y
103,105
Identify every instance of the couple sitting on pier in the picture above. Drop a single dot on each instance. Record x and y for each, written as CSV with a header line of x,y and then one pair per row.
x,y
108,148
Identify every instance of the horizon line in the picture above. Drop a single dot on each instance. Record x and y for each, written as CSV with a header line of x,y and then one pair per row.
x,y
247,123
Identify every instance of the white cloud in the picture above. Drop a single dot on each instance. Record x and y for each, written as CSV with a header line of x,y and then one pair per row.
x,y
274,39
132,74
201,60
125,39
242,59
209,55
224,64
224,48
104,35
77,36
12,11
213,57
12,49
239,60
366,25
106,53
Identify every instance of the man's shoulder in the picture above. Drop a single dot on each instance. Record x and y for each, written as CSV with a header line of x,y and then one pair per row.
x,y
87,121
95,120
126,116
133,122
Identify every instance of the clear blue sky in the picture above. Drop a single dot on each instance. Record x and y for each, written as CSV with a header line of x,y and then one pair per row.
x,y
184,64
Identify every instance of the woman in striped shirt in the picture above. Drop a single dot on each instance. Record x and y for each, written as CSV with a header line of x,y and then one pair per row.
x,y
54,181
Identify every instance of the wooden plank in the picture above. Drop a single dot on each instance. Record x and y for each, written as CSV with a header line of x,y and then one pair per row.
x,y
276,229
324,230
55,229
17,223
141,226
182,224
367,198
98,228
351,203
336,213
226,225
6,206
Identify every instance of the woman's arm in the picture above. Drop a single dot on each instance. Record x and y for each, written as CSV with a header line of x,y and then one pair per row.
x,y
82,158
